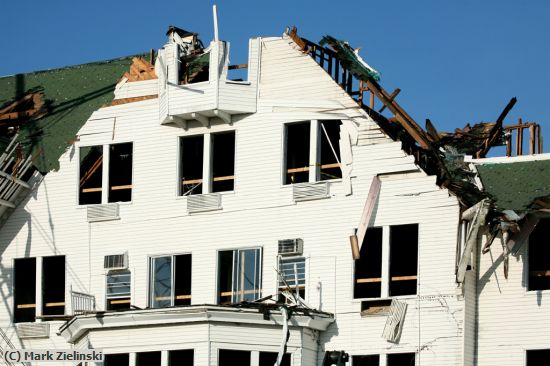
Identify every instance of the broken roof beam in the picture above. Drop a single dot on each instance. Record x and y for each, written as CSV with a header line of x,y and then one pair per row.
x,y
406,121
496,131
357,239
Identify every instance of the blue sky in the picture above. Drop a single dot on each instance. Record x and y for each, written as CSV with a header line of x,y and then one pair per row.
x,y
455,61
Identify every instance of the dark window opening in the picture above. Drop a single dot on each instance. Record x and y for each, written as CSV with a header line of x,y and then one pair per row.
x,y
120,359
239,275
538,357
194,68
120,172
330,149
403,259
182,357
539,256
400,359
269,359
118,290
228,357
223,161
375,307
368,268
53,285
171,281
192,149
368,360
297,152
148,358
24,273
91,175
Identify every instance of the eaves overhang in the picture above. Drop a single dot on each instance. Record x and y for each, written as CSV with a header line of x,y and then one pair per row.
x,y
80,325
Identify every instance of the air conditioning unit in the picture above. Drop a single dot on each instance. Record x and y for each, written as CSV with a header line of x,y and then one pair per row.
x,y
104,212
33,330
116,261
204,202
291,247
309,191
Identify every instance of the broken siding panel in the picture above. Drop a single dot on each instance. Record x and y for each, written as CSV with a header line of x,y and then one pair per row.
x,y
137,89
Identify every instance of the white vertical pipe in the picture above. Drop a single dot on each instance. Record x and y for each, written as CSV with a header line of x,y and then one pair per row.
x,y
215,13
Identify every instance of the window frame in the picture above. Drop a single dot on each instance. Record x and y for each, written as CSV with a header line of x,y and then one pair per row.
x,y
386,265
105,167
150,282
527,259
316,136
207,178
300,287
114,272
218,273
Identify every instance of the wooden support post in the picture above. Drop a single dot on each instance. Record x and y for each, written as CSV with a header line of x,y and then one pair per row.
x,y
531,139
509,143
372,197
371,104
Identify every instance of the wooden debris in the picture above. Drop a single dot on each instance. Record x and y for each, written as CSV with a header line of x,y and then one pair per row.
x,y
132,99
140,70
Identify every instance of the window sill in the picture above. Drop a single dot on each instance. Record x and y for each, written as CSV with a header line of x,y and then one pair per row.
x,y
224,193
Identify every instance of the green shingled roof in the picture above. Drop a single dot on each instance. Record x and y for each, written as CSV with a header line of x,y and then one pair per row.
x,y
514,186
72,94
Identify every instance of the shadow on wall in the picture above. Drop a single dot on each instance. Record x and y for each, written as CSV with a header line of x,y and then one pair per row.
x,y
324,338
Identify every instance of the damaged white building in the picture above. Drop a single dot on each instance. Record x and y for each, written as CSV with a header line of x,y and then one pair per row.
x,y
185,216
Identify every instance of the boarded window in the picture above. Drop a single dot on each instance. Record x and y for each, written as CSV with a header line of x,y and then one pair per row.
x,y
120,359
148,358
297,152
403,259
120,172
223,161
292,272
400,359
539,256
367,360
239,275
330,149
538,357
181,357
228,357
192,149
24,273
368,268
91,175
118,290
269,359
53,285
171,280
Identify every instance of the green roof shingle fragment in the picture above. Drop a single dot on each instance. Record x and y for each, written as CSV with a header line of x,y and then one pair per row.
x,y
72,95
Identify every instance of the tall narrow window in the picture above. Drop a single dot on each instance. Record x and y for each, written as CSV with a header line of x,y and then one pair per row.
x,y
297,152
400,359
118,290
118,359
368,268
223,161
539,256
227,357
191,178
367,360
403,259
181,357
171,280
24,273
53,285
91,175
240,275
120,172
148,358
292,275
330,150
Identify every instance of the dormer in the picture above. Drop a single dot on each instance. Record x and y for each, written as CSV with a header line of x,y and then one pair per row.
x,y
194,86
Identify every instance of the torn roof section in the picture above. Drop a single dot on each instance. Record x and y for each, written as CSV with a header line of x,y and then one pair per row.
x,y
70,96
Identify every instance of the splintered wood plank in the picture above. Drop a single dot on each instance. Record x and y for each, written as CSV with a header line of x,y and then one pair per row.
x,y
374,191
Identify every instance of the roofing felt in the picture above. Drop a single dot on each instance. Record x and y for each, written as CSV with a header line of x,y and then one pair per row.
x,y
72,95
514,186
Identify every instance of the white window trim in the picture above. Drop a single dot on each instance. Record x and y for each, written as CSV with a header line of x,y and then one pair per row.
x,y
306,272
106,297
385,283
150,279
315,138
261,249
104,173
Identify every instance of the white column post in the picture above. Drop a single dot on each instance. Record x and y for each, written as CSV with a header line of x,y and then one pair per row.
x,y
207,164
38,287
314,151
164,358
105,174
385,261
